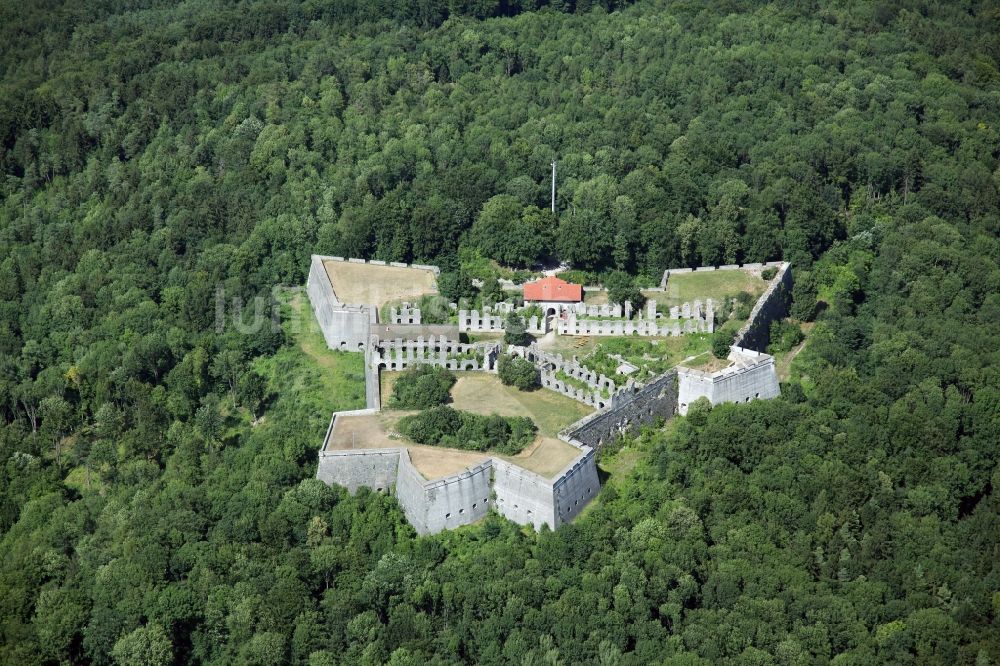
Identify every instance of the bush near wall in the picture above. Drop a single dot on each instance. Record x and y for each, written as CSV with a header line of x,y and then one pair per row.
x,y
518,372
422,386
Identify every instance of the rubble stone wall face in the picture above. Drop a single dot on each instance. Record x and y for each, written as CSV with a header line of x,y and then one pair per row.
x,y
629,409
772,306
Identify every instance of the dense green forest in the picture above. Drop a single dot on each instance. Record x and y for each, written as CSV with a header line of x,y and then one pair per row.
x,y
157,504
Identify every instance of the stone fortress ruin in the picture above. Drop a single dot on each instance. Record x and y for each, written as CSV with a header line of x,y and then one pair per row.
x,y
443,488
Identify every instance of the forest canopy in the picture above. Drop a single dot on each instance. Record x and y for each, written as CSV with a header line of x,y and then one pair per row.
x,y
157,499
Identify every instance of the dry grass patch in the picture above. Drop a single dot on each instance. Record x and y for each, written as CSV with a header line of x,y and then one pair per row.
x,y
707,362
568,345
547,456
377,285
479,393
482,393
378,431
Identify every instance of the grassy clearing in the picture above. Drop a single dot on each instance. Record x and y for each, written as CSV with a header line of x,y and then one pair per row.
x,y
484,394
82,479
783,360
483,337
323,380
717,285
620,464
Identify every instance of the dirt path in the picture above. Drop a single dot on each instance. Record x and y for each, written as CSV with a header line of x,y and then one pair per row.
x,y
784,367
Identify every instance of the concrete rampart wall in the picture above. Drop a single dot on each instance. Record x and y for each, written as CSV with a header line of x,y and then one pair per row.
x,y
373,388
410,493
702,269
522,496
691,386
772,305
575,487
457,500
376,262
374,468
347,326
757,383
431,506
344,327
755,380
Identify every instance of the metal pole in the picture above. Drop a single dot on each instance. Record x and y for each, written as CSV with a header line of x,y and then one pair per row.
x,y
553,186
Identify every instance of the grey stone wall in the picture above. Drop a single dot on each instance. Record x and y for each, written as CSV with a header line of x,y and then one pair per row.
x,y
374,468
344,327
575,487
399,354
410,493
405,314
703,269
373,388
450,502
478,322
772,305
550,362
522,496
590,398
643,327
377,262
629,409
754,378
602,310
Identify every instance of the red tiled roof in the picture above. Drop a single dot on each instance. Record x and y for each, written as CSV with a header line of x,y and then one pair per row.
x,y
553,289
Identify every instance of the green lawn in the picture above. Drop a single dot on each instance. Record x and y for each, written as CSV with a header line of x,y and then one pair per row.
x,y
321,379
717,285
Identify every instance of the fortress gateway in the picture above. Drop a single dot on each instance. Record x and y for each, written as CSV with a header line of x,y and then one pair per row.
x,y
365,307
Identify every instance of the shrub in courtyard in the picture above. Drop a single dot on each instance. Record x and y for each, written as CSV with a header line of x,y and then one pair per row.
x,y
518,372
446,426
422,386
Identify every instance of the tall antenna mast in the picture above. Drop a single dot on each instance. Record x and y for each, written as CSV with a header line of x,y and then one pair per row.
x,y
553,186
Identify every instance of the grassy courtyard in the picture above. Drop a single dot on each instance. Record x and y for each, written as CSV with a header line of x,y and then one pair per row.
x,y
479,393
717,285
